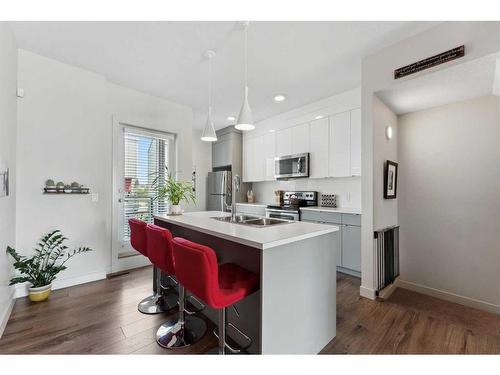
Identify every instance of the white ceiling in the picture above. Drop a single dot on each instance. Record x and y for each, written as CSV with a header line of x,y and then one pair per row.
x,y
305,61
465,81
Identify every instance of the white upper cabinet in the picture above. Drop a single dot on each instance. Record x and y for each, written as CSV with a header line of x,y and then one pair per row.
x,y
300,139
334,144
253,159
318,147
269,153
340,145
356,142
284,142
245,165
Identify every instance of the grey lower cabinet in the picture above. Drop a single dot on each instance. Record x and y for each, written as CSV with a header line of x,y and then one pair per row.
x,y
351,247
349,250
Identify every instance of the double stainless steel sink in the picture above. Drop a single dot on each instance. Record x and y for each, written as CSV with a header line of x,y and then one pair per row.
x,y
253,221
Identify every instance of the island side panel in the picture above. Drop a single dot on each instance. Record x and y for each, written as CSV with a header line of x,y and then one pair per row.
x,y
298,291
245,256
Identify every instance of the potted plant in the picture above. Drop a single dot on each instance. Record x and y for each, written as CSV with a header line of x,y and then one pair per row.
x,y
166,187
50,257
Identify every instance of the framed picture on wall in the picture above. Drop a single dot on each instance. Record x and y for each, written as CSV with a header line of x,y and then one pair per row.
x,y
390,179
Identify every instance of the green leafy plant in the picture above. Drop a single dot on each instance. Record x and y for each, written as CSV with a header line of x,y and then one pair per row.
x,y
166,187
50,257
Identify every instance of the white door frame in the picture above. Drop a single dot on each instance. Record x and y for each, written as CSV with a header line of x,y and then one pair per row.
x,y
138,260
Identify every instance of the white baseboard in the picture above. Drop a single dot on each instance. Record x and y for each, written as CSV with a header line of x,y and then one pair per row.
x,y
21,290
6,313
367,292
448,296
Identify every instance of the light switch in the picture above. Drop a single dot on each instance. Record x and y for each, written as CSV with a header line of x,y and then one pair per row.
x,y
348,197
20,92
94,197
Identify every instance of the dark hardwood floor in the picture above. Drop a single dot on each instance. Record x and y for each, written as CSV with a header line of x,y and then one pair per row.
x,y
102,318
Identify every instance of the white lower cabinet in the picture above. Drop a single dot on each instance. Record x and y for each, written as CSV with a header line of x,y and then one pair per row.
x,y
349,237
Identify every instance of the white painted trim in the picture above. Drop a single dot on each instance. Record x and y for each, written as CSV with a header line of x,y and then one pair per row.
x,y
21,290
6,314
367,292
448,296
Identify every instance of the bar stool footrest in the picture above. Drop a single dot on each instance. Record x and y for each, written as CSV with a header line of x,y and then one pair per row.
x,y
198,310
240,349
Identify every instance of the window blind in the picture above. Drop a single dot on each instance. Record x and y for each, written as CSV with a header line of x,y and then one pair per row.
x,y
145,158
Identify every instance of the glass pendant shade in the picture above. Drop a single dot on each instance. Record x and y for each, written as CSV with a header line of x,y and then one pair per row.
x,y
245,119
209,131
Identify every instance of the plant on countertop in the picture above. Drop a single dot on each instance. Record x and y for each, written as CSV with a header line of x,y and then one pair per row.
x,y
50,257
166,187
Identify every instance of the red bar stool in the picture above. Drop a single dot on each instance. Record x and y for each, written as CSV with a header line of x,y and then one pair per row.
x,y
179,331
221,286
159,241
153,304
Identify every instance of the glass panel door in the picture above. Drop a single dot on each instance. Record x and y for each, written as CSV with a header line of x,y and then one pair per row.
x,y
141,156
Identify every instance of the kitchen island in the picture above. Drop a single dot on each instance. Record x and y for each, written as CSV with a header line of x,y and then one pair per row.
x,y
294,311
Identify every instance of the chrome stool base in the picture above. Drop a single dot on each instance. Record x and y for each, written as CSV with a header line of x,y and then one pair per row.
x,y
157,303
175,334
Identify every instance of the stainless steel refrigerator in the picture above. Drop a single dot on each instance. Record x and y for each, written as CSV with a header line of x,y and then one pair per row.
x,y
219,191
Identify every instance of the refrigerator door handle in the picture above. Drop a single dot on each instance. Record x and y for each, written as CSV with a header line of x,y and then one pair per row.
x,y
222,187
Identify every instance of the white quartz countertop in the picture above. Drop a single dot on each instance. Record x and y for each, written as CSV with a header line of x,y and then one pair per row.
x,y
340,210
260,238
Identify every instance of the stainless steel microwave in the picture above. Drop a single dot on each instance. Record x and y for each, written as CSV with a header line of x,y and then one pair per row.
x,y
291,166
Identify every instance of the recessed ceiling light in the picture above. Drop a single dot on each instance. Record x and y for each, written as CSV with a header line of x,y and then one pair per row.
x,y
231,118
279,98
318,117
271,130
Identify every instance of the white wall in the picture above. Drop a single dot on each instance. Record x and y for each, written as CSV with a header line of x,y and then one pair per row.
x,y
8,119
385,211
348,189
480,39
65,133
449,200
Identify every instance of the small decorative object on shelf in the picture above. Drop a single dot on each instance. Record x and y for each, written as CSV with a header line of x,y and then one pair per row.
x,y
62,188
50,186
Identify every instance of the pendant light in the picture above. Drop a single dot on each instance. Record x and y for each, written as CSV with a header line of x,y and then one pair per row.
x,y
209,131
245,119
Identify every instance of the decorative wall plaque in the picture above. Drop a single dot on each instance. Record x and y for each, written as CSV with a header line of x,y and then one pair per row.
x,y
429,62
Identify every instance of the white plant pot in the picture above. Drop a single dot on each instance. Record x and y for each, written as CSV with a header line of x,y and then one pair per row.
x,y
176,209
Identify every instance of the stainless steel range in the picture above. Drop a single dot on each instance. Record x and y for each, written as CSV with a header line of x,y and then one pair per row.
x,y
292,201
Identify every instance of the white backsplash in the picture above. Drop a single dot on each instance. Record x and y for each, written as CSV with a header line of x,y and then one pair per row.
x,y
347,189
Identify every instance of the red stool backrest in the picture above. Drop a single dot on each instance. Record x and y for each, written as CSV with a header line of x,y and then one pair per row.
x,y
196,269
160,248
138,235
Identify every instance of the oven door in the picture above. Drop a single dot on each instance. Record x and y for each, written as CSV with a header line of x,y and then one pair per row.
x,y
282,214
291,166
